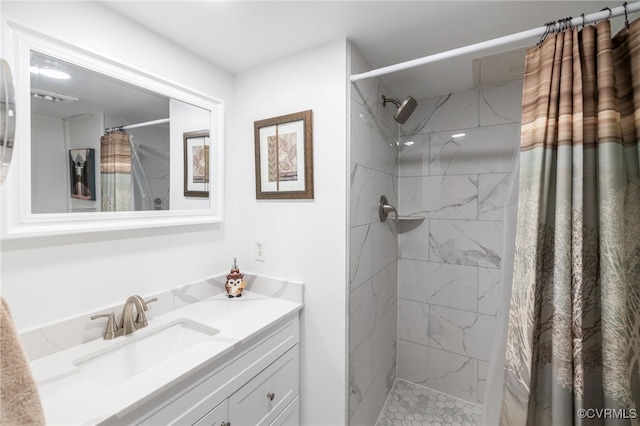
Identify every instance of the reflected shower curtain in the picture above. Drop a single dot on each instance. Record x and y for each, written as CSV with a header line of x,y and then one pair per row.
x,y
115,171
573,339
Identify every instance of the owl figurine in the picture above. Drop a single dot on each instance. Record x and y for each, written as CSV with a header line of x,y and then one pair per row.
x,y
235,282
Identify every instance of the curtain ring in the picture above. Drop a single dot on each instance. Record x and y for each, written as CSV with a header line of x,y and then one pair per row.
x,y
626,18
610,12
547,31
584,21
568,22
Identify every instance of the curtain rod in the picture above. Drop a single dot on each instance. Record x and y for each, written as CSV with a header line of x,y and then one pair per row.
x,y
582,20
133,126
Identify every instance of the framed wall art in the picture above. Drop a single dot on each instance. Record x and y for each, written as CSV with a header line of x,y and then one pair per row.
x,y
284,157
196,164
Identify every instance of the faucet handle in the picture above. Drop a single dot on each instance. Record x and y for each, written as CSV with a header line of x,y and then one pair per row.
x,y
141,318
153,299
112,327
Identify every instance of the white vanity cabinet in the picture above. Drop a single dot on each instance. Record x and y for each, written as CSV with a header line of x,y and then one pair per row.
x,y
216,417
255,383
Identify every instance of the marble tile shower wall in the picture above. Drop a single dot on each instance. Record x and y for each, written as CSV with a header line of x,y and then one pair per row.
x,y
449,264
373,250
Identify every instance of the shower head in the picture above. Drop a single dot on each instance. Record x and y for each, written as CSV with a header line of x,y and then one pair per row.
x,y
405,109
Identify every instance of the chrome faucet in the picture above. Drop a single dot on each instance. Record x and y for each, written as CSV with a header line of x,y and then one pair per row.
x,y
127,323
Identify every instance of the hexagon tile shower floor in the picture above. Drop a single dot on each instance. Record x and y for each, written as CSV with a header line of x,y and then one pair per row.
x,y
409,404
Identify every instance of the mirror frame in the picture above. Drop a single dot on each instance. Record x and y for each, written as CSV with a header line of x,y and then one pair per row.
x,y
17,219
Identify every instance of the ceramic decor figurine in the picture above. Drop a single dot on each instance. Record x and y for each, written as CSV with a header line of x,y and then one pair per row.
x,y
235,282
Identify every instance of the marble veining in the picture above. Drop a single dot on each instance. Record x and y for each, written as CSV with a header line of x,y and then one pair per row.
x,y
371,362
373,248
413,321
413,154
380,150
411,244
441,113
489,290
439,197
500,104
480,150
366,188
57,337
72,395
439,104
438,369
460,331
440,284
371,301
466,243
450,279
493,194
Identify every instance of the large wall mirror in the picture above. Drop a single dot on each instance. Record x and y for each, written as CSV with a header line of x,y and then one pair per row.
x,y
101,146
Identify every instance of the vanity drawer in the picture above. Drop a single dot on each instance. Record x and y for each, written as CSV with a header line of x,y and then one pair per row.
x,y
261,399
216,417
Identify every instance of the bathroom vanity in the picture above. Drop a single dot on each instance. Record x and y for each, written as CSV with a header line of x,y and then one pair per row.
x,y
218,361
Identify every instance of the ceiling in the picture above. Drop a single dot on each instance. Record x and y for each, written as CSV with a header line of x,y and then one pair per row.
x,y
240,35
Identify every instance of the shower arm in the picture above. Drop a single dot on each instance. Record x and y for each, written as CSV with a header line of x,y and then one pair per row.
x,y
386,208
392,100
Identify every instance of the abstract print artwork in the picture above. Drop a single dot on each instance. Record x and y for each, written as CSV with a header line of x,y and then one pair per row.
x,y
283,157
196,164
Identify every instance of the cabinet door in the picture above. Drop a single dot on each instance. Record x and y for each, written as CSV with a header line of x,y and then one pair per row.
x,y
290,416
261,399
216,417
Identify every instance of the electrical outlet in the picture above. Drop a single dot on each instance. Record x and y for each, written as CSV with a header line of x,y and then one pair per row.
x,y
260,251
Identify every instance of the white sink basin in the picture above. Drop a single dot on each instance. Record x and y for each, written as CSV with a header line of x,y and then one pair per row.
x,y
136,354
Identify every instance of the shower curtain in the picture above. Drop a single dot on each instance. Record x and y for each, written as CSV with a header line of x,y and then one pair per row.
x,y
115,171
573,338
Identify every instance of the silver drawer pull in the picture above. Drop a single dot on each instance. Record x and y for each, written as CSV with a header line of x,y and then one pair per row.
x,y
225,424
271,395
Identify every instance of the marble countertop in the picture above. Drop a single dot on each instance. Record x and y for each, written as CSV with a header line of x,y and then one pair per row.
x,y
71,397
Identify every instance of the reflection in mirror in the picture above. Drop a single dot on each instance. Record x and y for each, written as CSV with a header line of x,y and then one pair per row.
x,y
196,164
99,144
7,118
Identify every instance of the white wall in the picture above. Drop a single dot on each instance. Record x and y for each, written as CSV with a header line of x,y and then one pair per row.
x,y
50,279
304,240
50,186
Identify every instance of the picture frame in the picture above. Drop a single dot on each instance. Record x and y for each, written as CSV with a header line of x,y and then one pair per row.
x,y
196,163
284,156
82,173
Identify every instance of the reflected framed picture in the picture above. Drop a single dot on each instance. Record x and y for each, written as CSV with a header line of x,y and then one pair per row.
x,y
82,173
284,157
196,163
